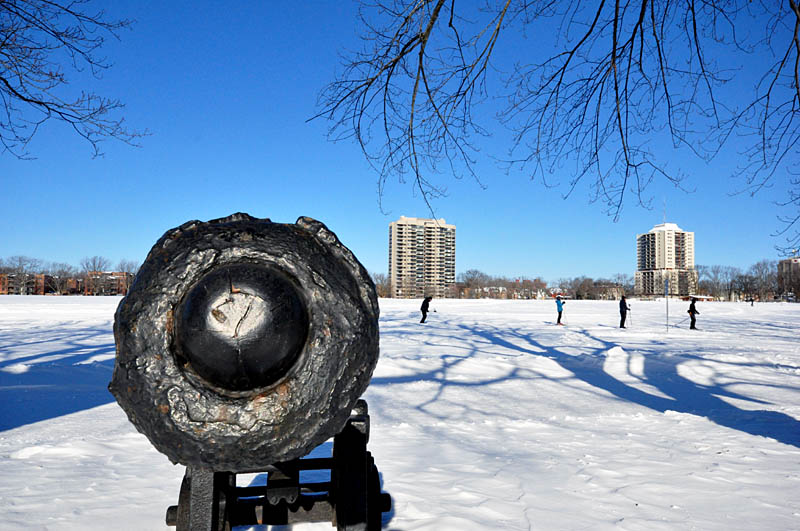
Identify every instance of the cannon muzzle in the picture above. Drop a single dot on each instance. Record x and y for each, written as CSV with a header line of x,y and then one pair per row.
x,y
243,342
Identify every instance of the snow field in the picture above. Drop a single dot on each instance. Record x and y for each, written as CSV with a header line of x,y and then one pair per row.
x,y
488,416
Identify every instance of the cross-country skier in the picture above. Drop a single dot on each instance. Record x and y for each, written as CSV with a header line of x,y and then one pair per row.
x,y
623,311
424,308
692,312
560,307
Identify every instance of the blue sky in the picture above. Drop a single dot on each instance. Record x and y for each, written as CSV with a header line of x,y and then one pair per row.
x,y
226,93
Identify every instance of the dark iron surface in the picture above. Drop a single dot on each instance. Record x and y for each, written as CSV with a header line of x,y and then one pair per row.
x,y
243,342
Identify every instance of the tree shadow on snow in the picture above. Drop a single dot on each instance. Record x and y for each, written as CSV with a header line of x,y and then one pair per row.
x,y
35,388
438,335
659,371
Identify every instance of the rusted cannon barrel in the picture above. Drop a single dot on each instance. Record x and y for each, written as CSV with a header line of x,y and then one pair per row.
x,y
243,343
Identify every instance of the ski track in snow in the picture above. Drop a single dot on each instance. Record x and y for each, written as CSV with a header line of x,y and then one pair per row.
x,y
488,416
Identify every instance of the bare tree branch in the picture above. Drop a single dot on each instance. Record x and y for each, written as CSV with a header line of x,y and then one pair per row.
x,y
624,77
35,37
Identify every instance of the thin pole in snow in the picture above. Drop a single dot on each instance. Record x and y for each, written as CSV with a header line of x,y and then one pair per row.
x,y
666,298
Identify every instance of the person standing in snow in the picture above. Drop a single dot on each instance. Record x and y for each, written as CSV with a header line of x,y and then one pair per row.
x,y
560,307
424,308
692,312
623,311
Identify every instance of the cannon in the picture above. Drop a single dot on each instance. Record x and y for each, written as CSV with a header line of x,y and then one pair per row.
x,y
241,346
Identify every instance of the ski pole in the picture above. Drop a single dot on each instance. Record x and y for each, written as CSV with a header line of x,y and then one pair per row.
x,y
676,325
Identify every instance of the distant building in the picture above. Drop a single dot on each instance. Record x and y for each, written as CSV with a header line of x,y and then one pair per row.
x,y
665,253
422,258
608,292
94,283
43,284
107,283
789,276
17,284
73,286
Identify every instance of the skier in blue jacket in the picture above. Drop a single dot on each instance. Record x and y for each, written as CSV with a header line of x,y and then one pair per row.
x,y
560,307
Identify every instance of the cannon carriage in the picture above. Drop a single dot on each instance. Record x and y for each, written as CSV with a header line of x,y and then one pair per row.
x,y
242,345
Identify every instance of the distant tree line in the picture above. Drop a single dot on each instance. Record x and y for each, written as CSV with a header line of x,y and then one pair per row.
x,y
759,281
475,284
587,288
59,274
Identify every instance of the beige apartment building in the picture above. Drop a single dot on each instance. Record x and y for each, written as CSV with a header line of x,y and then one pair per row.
x,y
422,258
666,252
789,276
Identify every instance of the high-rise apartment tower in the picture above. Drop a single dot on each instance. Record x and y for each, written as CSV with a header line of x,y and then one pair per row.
x,y
789,276
665,253
422,258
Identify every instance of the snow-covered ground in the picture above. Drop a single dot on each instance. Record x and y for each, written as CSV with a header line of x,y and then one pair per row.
x,y
487,417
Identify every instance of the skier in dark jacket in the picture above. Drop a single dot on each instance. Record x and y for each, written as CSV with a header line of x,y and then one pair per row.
x,y
692,312
623,311
424,308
